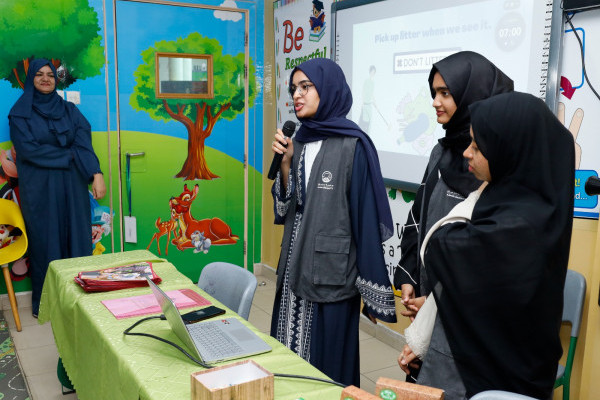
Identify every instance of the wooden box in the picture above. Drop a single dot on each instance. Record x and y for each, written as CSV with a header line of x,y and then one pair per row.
x,y
390,389
244,380
354,393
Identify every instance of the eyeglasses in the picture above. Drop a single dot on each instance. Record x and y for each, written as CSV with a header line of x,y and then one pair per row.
x,y
302,88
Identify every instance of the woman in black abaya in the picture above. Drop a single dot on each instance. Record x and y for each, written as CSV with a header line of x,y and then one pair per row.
x,y
498,279
467,77
455,82
56,163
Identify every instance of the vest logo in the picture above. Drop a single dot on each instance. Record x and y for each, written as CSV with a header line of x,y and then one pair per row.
x,y
326,177
454,195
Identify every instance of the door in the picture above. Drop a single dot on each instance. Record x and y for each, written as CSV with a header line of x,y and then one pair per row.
x,y
184,89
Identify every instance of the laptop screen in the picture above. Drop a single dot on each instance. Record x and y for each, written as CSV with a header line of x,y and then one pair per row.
x,y
174,318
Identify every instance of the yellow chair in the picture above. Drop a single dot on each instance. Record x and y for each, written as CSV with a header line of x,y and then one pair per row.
x,y
10,214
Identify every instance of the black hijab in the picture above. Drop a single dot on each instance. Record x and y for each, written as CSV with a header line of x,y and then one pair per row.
x,y
498,280
51,106
335,101
470,77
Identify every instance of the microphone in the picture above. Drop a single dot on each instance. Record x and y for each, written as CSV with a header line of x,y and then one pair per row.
x,y
288,130
592,186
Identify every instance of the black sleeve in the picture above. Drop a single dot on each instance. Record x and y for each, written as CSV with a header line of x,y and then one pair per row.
x,y
407,270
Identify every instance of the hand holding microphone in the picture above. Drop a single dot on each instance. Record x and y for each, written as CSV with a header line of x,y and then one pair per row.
x,y
279,147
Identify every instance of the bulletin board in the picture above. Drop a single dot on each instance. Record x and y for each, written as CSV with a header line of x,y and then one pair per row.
x,y
386,49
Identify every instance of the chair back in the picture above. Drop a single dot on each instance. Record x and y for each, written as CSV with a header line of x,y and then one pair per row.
x,y
10,214
230,284
574,296
500,395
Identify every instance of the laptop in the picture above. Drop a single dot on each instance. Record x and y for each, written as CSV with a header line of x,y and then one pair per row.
x,y
214,340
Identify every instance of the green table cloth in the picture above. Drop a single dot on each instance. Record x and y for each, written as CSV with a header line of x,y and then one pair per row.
x,y
103,363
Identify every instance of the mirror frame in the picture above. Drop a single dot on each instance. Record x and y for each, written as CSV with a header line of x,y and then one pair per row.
x,y
161,95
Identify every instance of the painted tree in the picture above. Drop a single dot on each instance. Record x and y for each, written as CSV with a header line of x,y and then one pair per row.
x,y
199,116
64,31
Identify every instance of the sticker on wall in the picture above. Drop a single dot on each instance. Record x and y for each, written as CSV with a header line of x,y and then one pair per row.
x,y
8,174
189,232
317,21
101,224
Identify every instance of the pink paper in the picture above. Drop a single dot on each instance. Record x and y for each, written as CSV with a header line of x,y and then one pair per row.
x,y
147,304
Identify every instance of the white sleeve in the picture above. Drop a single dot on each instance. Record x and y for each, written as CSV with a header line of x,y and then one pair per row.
x,y
460,213
418,333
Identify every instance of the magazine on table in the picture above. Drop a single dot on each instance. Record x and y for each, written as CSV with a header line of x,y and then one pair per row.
x,y
119,277
146,304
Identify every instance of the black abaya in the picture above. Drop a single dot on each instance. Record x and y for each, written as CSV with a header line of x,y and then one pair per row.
x,y
498,280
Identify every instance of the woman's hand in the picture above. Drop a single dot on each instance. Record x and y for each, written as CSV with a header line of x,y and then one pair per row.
x,y
366,313
98,186
413,305
409,301
406,358
279,146
372,319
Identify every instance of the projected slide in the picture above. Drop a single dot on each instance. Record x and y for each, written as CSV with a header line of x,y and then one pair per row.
x,y
387,49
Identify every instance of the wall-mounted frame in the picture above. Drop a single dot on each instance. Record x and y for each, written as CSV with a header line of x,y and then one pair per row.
x,y
184,76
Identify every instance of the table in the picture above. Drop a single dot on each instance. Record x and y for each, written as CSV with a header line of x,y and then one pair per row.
x,y
103,363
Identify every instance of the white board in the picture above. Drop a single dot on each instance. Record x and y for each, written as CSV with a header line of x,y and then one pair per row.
x,y
402,39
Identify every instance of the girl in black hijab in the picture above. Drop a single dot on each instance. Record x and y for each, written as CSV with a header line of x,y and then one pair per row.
x,y
460,80
468,77
498,279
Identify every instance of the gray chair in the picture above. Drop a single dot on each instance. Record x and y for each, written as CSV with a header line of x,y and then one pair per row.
x,y
500,395
574,296
230,284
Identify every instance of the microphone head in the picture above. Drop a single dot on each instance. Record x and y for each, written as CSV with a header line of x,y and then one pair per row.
x,y
592,186
288,128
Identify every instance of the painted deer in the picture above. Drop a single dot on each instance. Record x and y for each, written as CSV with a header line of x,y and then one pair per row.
x,y
214,229
164,228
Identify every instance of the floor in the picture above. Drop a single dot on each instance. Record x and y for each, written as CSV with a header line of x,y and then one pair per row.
x,y
38,356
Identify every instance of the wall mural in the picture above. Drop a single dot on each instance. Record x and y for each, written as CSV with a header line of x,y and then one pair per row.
x,y
189,80
199,116
195,133
39,29
189,232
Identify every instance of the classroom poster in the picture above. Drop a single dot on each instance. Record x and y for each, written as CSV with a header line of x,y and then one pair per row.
x,y
302,32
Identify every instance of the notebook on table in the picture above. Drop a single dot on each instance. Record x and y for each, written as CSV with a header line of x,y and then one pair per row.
x,y
214,340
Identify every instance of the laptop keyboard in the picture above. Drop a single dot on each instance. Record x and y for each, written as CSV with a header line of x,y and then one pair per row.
x,y
210,339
